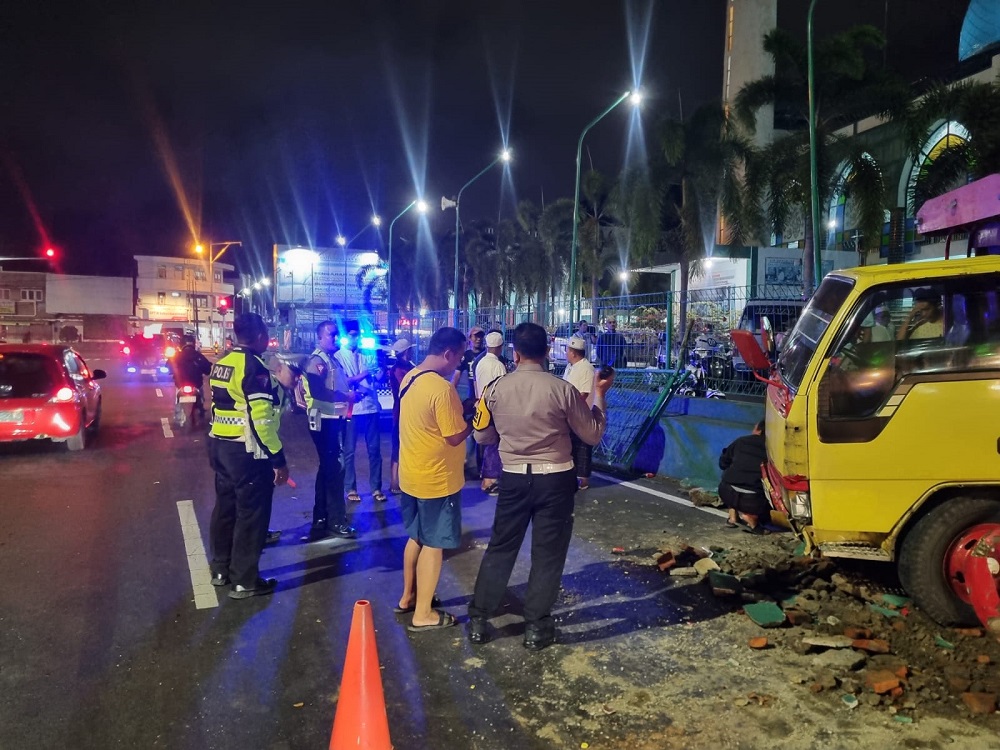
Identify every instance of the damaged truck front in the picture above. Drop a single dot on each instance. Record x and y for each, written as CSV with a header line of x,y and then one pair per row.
x,y
882,417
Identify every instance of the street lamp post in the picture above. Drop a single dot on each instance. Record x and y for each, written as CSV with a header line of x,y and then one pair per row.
x,y
199,249
636,97
813,168
421,206
503,156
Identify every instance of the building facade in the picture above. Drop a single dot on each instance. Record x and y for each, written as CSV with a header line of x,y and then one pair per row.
x,y
38,306
178,293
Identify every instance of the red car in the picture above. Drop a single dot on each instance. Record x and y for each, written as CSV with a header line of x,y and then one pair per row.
x,y
47,391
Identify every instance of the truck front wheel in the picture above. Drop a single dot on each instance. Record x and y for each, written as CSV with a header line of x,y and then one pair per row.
x,y
933,555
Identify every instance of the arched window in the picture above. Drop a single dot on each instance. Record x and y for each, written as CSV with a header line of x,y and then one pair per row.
x,y
842,216
944,136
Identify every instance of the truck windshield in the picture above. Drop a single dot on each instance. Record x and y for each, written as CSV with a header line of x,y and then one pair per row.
x,y
815,319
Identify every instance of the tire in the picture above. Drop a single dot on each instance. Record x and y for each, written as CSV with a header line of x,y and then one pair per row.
x,y
922,555
78,441
96,424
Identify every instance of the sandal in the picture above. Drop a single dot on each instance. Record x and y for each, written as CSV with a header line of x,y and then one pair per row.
x,y
757,530
435,603
739,522
379,497
353,497
446,621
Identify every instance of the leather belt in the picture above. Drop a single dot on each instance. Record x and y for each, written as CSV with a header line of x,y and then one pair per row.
x,y
538,468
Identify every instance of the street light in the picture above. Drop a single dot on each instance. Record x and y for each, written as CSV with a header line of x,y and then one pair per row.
x,y
376,220
199,248
635,96
813,168
341,240
421,205
505,157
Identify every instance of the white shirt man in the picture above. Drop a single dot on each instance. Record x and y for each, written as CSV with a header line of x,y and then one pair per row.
x,y
489,367
356,371
579,371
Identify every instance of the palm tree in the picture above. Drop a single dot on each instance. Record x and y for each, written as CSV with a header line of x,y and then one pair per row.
x,y
673,208
977,107
555,229
597,193
847,89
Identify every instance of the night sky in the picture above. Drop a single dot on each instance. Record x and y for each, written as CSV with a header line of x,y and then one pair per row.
x,y
290,121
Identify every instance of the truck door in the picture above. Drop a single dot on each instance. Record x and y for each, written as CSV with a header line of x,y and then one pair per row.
x,y
903,406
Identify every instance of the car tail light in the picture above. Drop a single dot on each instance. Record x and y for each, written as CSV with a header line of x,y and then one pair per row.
x,y
126,350
64,395
187,389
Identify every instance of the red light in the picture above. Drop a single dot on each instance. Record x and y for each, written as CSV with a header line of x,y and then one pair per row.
x,y
50,253
64,395
223,302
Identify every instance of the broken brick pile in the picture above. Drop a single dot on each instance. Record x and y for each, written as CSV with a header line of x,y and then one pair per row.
x,y
865,647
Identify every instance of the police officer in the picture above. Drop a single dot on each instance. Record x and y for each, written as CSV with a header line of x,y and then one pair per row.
x,y
327,393
531,414
246,455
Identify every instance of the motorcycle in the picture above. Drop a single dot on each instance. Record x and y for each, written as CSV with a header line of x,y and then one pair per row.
x,y
188,406
695,382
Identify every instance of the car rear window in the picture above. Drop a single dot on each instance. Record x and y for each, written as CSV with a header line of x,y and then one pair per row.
x,y
26,375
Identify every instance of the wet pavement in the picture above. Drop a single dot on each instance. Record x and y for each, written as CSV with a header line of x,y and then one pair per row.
x,y
102,646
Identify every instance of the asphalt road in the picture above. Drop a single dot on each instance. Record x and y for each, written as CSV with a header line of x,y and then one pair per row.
x,y
103,645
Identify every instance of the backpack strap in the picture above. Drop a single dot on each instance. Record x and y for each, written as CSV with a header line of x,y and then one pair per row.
x,y
403,391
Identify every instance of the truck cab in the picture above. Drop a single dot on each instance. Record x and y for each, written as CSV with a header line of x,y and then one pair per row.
x,y
881,427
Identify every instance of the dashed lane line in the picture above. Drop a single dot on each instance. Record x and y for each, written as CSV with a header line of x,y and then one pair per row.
x,y
165,423
159,393
201,576
662,495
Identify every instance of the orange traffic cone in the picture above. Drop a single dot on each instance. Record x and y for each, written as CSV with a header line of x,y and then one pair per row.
x,y
361,722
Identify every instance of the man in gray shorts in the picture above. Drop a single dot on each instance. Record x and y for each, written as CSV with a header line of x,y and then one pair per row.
x,y
432,433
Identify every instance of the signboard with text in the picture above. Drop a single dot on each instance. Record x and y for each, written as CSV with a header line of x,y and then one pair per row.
x,y
329,277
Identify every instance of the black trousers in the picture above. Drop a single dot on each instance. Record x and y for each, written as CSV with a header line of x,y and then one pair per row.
x,y
329,508
244,487
546,502
583,456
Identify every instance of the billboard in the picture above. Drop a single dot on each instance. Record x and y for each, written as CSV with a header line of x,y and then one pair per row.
x,y
88,295
329,276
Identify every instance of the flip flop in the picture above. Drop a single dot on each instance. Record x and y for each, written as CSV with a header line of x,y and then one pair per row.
x,y
378,496
446,621
353,497
435,602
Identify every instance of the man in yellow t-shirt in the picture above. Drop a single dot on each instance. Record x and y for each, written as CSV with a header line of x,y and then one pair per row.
x,y
432,433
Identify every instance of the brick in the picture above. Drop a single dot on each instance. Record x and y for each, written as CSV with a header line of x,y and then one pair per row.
x,y
724,585
875,646
970,632
896,692
881,681
856,633
758,643
980,703
798,617
902,671
666,561
959,684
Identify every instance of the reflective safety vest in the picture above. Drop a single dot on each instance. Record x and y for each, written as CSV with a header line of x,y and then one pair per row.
x,y
321,365
246,404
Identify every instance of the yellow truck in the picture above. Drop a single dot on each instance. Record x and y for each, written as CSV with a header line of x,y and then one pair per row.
x,y
883,421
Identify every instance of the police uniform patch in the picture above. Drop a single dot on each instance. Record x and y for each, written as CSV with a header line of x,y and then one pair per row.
x,y
222,372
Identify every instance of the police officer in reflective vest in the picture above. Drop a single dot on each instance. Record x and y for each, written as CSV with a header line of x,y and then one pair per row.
x,y
247,458
326,396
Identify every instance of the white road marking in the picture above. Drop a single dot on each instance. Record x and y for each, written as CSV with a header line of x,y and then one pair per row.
x,y
159,393
663,495
201,574
165,423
